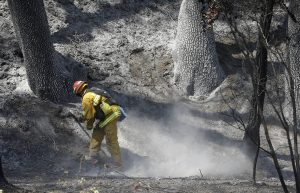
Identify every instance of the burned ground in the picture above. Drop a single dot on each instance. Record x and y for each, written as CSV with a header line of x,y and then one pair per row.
x,y
168,144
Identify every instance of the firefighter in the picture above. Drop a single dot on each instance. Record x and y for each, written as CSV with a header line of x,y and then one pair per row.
x,y
102,108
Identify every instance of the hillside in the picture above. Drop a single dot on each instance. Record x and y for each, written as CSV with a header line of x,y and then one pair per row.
x,y
169,144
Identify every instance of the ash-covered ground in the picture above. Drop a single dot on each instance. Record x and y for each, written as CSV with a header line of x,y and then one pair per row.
x,y
168,144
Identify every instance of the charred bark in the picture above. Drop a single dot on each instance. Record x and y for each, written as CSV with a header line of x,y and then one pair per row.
x,y
293,93
259,79
259,75
294,47
46,78
273,154
196,66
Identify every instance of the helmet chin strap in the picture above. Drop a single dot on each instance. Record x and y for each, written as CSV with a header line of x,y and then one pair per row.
x,y
83,93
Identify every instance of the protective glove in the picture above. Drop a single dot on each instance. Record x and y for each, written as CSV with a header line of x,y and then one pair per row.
x,y
89,128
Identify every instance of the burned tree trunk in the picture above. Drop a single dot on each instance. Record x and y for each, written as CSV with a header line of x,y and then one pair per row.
x,y
294,49
196,66
259,76
45,77
259,79
293,92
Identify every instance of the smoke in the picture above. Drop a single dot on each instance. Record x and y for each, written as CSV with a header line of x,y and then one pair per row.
x,y
181,143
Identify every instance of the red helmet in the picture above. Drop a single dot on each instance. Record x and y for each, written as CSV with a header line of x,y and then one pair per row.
x,y
79,86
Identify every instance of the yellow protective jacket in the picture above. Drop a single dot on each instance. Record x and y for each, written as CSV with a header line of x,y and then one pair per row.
x,y
90,102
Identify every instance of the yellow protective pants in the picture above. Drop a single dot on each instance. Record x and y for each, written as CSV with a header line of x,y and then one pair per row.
x,y
110,131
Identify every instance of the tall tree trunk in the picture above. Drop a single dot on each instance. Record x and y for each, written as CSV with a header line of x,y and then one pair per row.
x,y
259,79
294,49
196,67
45,78
294,83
